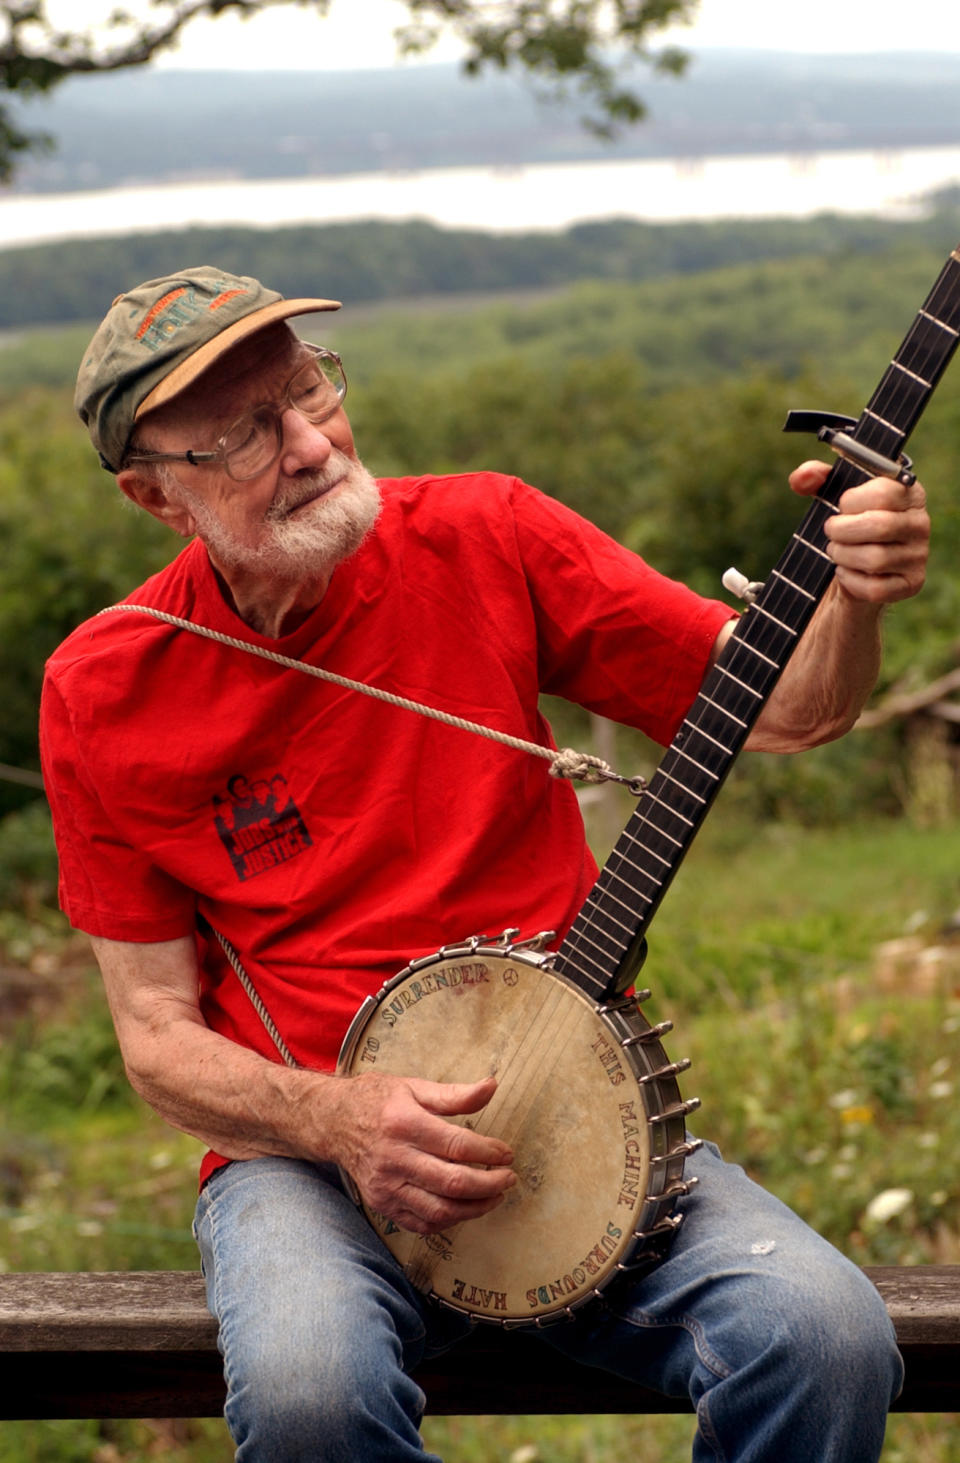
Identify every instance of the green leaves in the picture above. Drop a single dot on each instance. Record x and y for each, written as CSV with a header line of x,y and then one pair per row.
x,y
71,545
559,43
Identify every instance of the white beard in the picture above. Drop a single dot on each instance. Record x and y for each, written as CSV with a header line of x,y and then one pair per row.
x,y
314,541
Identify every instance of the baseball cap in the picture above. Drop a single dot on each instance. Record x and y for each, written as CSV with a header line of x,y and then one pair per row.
x,y
156,339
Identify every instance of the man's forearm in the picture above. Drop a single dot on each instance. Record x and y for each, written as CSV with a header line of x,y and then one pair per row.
x,y
235,1101
827,680
397,1136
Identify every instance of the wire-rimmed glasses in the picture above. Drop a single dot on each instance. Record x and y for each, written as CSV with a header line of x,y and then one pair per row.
x,y
255,440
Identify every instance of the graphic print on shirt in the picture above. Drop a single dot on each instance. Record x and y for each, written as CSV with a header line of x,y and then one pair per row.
x,y
259,824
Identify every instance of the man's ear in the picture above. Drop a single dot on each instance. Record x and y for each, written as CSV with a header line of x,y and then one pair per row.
x,y
147,491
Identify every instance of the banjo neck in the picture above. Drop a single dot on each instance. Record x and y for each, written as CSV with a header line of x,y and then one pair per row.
x,y
605,946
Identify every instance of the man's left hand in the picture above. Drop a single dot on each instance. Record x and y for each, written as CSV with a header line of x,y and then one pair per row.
x,y
880,538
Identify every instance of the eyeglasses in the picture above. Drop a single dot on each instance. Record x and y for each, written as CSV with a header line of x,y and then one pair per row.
x,y
255,440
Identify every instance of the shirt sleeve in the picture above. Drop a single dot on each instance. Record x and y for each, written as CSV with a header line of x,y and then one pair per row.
x,y
106,887
613,635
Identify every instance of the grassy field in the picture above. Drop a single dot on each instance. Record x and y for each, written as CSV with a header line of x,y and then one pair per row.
x,y
812,975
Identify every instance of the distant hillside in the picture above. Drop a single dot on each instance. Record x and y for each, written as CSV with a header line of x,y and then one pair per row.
x,y
165,125
374,262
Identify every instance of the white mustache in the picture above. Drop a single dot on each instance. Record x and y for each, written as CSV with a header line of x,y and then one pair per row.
x,y
296,494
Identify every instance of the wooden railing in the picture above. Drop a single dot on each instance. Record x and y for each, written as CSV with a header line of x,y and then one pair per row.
x,y
142,1344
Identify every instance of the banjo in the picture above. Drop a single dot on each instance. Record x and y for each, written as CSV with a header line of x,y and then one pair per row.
x,y
587,1097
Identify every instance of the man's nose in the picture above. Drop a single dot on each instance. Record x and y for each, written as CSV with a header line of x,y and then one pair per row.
x,y
305,443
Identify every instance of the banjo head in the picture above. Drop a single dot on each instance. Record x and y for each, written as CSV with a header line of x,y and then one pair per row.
x,y
586,1099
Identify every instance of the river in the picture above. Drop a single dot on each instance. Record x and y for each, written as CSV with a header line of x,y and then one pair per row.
x,y
541,196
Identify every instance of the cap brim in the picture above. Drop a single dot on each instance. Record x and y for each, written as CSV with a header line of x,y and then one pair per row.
x,y
203,358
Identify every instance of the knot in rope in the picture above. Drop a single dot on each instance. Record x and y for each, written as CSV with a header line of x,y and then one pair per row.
x,y
584,767
579,766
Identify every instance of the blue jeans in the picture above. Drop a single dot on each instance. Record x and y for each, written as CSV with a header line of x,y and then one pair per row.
x,y
783,1346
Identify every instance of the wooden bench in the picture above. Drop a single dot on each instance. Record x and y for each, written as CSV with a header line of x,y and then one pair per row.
x,y
142,1344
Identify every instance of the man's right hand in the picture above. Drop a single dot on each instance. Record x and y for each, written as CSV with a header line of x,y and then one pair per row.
x,y
408,1161
391,1134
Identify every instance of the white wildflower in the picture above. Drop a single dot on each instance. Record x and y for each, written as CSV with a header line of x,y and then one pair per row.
x,y
887,1205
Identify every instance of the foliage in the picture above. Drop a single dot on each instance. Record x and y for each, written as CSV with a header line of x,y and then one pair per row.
x,y
784,317
75,1067
556,42
925,1438
28,859
76,546
47,356
376,261
588,448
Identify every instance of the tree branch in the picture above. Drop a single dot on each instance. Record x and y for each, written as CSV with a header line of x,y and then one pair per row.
x,y
929,699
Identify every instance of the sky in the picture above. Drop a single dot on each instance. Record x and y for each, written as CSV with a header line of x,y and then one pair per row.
x,y
359,33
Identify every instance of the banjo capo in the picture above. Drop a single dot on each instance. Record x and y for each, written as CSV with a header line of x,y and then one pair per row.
x,y
834,429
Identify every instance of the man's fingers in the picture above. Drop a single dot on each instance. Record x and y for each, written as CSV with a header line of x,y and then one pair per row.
x,y
460,1182
426,1194
884,495
415,1164
810,476
456,1143
423,1212
879,536
876,493
451,1098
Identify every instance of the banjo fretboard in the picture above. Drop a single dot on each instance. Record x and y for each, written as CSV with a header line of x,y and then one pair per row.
x,y
604,943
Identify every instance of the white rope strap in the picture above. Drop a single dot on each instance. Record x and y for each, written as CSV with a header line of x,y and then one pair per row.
x,y
252,992
566,763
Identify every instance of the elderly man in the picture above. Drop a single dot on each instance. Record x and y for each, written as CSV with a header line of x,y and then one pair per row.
x,y
232,831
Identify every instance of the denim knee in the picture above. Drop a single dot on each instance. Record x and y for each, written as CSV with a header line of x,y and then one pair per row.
x,y
814,1377
783,1346
837,1333
317,1322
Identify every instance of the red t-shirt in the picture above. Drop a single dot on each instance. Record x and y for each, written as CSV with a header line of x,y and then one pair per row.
x,y
332,838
